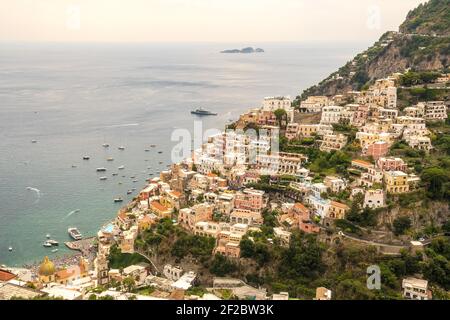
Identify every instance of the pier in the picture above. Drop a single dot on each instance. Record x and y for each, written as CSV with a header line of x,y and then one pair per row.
x,y
84,245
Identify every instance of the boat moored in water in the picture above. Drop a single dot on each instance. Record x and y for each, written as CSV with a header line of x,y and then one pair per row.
x,y
203,112
53,242
118,200
86,157
47,244
74,233
101,169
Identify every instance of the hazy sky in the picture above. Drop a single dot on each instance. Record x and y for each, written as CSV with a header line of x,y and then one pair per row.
x,y
200,20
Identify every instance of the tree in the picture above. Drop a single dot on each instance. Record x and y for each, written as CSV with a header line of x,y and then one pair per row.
x,y
303,258
129,283
281,116
435,178
222,266
247,248
401,224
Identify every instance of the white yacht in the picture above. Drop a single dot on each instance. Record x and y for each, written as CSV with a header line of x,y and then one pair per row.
x,y
74,233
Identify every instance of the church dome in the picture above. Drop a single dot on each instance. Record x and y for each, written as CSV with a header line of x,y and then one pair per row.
x,y
46,268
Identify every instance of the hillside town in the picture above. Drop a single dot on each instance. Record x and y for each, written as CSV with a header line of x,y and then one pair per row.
x,y
308,164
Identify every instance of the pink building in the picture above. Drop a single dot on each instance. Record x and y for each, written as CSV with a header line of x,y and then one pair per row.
x,y
250,199
391,164
377,149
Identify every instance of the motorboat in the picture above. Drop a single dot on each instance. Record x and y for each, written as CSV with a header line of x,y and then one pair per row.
x,y
53,242
203,112
101,169
103,178
121,167
75,233
118,200
121,148
110,159
105,145
47,244
86,157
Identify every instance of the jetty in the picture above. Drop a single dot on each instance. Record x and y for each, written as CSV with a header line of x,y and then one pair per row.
x,y
84,245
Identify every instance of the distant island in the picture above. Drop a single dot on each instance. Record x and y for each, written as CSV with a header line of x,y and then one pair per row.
x,y
244,50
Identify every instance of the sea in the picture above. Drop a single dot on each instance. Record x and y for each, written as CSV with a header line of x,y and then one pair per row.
x,y
71,98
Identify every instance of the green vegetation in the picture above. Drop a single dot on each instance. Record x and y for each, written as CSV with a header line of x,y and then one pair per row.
x,y
428,18
119,260
222,266
194,245
401,225
415,78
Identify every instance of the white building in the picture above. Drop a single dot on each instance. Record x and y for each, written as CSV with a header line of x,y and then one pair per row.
x,y
415,289
274,103
331,114
374,199
314,103
433,110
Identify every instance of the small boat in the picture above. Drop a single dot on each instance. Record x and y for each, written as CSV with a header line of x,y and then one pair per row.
x,y
133,189
129,192
10,249
121,167
135,181
118,200
160,152
114,174
33,141
47,244
153,145
74,233
47,236
132,177
55,250
105,145
74,166
53,242
147,150
86,157
160,162
203,112
121,148
101,169
103,178
110,159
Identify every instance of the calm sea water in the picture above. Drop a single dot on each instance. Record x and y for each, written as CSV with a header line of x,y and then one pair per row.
x,y
72,98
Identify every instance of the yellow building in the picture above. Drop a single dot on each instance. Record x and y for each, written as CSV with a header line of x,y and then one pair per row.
x,y
396,182
46,271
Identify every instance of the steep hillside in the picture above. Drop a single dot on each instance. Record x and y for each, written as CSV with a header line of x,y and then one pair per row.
x,y
432,18
422,44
